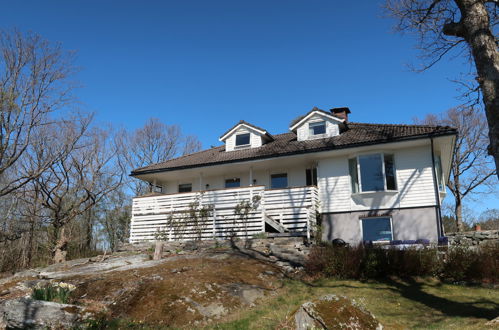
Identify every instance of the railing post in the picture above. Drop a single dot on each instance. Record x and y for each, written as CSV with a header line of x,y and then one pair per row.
x,y
214,222
262,208
308,224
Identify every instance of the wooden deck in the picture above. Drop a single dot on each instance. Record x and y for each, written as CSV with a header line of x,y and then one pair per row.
x,y
211,214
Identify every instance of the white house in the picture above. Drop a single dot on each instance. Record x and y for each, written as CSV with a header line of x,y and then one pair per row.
x,y
360,182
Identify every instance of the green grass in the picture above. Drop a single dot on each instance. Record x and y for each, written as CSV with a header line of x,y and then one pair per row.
x,y
414,304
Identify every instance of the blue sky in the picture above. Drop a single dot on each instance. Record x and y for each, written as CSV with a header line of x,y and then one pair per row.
x,y
204,65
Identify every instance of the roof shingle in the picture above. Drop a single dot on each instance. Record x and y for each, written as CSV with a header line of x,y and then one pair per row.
x,y
357,134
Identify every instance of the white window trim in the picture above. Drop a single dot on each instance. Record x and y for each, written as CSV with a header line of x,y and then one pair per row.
x,y
379,217
359,178
242,145
317,122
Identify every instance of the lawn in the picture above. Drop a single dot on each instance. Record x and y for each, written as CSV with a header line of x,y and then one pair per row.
x,y
415,304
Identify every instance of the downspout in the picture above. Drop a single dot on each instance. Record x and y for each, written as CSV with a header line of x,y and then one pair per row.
x,y
437,192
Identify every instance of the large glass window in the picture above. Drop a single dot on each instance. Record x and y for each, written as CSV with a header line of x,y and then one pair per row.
x,y
377,229
371,172
317,128
279,180
233,183
185,187
375,172
242,139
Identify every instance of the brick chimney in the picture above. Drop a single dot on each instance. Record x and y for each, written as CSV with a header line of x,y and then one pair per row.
x,y
341,112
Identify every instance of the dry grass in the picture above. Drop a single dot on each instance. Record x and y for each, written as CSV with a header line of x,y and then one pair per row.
x,y
413,304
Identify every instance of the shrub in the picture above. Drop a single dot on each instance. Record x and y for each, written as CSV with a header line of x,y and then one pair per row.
x,y
371,262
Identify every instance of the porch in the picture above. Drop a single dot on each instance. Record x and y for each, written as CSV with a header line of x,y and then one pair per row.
x,y
224,213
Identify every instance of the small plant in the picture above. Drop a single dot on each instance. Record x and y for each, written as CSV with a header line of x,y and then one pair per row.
x,y
58,292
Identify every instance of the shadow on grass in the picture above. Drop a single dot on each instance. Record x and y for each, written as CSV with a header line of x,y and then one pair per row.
x,y
413,290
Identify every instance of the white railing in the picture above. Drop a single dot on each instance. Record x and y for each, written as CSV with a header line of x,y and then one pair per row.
x,y
173,216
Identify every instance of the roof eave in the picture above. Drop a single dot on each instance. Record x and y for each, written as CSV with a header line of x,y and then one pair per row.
x,y
307,116
355,145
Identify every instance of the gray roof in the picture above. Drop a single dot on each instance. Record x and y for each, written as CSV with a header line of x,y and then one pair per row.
x,y
355,134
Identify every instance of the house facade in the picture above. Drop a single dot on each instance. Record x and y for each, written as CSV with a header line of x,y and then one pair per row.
x,y
358,182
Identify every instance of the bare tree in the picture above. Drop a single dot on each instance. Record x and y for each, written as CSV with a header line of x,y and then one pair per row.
x,y
466,26
155,142
192,144
471,167
34,82
76,183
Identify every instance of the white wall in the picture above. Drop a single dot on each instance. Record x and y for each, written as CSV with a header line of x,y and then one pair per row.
x,y
255,138
296,178
332,128
414,183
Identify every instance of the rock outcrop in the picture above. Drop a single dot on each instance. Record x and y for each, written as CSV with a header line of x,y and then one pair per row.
x,y
334,312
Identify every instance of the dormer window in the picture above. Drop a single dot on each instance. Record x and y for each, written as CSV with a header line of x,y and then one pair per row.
x,y
317,128
242,140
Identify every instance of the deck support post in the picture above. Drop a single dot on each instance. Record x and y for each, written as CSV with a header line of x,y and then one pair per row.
x,y
251,176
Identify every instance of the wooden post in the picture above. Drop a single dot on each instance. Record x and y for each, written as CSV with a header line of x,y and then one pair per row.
x,y
251,176
158,250
308,224
214,222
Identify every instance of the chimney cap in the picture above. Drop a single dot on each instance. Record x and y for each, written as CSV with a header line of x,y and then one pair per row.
x,y
341,109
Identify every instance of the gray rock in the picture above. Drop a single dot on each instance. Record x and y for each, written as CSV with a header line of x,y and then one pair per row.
x,y
334,312
22,313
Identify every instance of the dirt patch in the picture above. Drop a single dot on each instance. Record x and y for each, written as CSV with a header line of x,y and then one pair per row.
x,y
179,292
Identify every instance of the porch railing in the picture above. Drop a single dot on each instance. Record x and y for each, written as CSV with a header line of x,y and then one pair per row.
x,y
211,214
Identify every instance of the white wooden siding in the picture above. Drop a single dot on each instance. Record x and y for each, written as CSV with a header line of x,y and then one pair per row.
x,y
168,215
332,128
414,183
255,138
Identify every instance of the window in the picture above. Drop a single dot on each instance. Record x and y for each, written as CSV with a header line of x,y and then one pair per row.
x,y
317,128
232,183
156,188
375,172
377,229
311,175
391,182
243,139
185,187
438,173
279,180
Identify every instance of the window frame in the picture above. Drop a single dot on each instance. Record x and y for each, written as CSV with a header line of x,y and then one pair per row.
x,y
184,184
242,145
314,124
440,179
378,217
234,181
275,174
383,170
311,176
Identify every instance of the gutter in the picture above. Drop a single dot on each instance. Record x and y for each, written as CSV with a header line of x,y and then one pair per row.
x,y
159,170
438,209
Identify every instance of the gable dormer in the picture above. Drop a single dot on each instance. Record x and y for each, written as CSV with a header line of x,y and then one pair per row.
x,y
317,124
245,135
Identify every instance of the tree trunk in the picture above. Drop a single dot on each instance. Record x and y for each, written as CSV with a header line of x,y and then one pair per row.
x,y
474,27
89,230
61,245
458,213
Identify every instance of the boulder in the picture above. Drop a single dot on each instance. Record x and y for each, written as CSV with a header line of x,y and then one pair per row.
x,y
334,312
25,312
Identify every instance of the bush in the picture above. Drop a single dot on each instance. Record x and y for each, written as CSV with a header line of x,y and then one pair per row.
x,y
364,262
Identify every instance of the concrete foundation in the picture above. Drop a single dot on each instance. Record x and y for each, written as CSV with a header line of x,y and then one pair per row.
x,y
407,224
